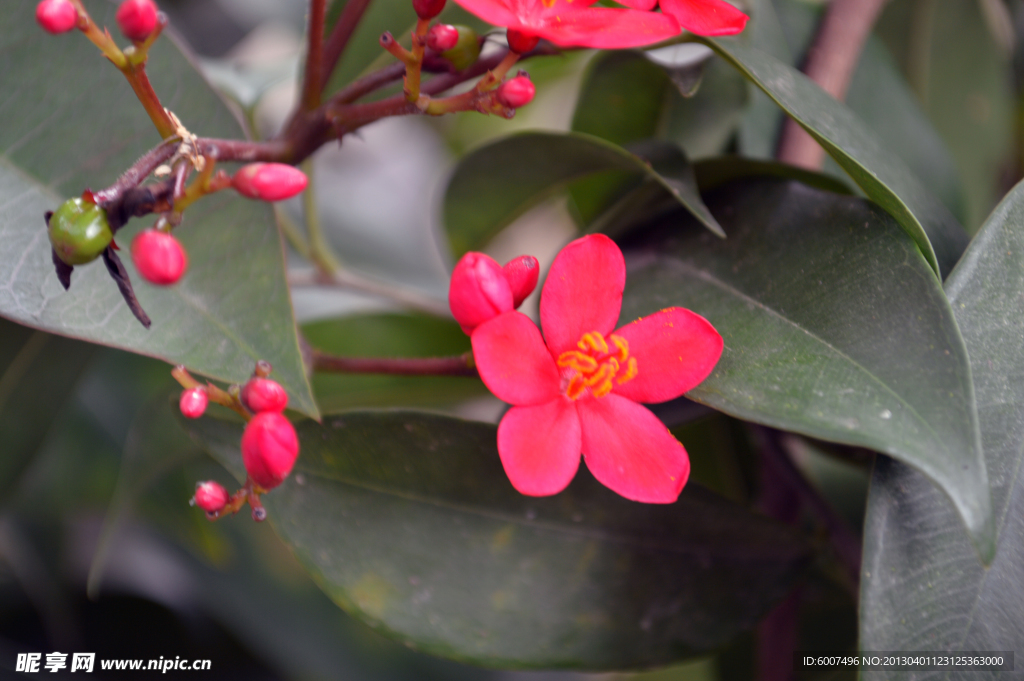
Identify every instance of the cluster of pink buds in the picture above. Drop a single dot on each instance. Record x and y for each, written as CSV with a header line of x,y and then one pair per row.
x,y
270,445
137,19
481,289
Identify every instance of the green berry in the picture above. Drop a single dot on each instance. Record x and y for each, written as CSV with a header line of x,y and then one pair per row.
x,y
79,231
466,50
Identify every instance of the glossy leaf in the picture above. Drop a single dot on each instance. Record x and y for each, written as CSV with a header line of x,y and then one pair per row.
x,y
498,182
408,521
622,97
37,373
833,327
879,172
922,585
79,126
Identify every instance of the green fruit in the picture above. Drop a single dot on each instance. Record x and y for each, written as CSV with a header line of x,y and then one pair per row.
x,y
466,51
79,231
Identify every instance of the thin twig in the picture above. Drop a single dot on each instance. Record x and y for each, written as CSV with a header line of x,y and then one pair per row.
x,y
830,63
346,25
460,365
348,280
313,77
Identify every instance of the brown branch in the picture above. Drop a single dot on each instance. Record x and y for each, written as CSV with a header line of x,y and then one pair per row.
x,y
346,25
830,63
461,365
313,77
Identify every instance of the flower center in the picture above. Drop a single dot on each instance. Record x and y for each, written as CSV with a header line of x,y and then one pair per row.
x,y
594,366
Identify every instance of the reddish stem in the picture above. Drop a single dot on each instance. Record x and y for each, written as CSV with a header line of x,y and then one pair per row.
x,y
313,78
462,365
346,25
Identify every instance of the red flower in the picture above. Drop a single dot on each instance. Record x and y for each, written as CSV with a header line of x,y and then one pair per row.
x,y
703,17
575,22
576,389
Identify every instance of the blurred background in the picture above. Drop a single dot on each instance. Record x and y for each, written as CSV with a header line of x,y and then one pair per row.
x,y
99,550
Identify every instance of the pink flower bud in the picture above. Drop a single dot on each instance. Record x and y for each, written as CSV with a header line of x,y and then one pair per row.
x,y
263,394
427,9
479,291
516,92
159,257
442,37
210,496
193,402
522,273
136,18
269,448
269,181
56,16
520,42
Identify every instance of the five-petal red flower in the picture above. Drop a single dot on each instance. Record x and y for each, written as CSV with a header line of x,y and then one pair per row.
x,y
576,389
576,23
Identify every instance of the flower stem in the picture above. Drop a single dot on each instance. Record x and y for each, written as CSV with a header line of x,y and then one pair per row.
x,y
313,79
346,25
347,279
217,395
460,365
320,251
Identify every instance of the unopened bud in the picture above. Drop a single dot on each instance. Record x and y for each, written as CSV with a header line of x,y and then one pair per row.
x,y
427,9
158,257
269,449
522,273
210,496
466,50
520,42
269,181
442,37
193,402
136,19
263,394
517,92
479,291
56,16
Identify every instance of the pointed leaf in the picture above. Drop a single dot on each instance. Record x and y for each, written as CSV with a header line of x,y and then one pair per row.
x,y
73,123
880,173
498,182
408,521
833,327
922,584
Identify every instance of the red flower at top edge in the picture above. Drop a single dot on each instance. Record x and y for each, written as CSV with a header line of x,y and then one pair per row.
x,y
577,389
703,17
575,23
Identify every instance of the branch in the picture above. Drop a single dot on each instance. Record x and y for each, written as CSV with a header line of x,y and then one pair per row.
x,y
340,35
830,63
348,280
460,365
313,77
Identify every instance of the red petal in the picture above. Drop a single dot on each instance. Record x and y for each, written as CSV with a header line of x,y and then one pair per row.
x,y
630,451
540,446
706,17
492,11
606,27
644,5
513,362
583,291
675,350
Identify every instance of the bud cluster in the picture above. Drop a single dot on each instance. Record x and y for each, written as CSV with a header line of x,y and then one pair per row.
x,y
481,289
270,445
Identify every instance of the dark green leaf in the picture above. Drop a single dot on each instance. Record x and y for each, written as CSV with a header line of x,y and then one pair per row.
x,y
408,521
880,173
714,172
833,327
390,335
72,122
922,584
622,97
37,373
498,182
704,124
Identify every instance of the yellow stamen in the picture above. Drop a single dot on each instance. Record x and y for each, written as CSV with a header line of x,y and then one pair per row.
x,y
594,368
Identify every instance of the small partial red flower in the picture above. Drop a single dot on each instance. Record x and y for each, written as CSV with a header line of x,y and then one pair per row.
x,y
576,389
576,22
703,17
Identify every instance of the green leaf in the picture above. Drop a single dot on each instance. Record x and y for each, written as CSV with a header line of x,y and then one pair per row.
x,y
72,122
498,182
390,335
922,583
880,173
714,172
408,521
37,374
622,98
833,325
